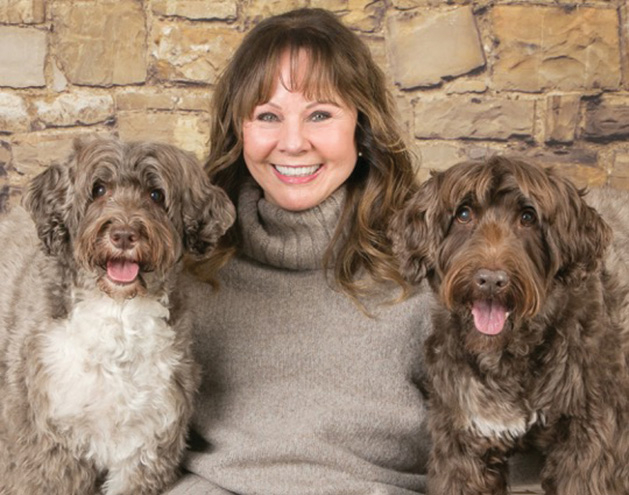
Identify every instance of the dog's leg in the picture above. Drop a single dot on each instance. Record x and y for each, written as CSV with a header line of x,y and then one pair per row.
x,y
53,470
589,459
464,464
148,471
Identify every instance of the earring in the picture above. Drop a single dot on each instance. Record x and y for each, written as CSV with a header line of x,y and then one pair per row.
x,y
360,153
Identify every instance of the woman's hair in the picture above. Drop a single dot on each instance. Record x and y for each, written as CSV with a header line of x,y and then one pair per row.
x,y
340,66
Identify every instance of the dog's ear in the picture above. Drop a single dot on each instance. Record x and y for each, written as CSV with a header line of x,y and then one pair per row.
x,y
207,214
577,235
46,199
416,233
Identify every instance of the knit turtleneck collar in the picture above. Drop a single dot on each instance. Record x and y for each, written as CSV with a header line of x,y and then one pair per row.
x,y
286,239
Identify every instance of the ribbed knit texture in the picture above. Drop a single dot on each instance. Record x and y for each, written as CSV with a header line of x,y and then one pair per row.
x,y
286,239
302,393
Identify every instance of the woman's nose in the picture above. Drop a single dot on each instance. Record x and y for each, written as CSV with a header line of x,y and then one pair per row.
x,y
292,138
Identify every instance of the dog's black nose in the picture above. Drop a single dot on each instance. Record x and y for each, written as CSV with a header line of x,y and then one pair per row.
x,y
123,237
491,281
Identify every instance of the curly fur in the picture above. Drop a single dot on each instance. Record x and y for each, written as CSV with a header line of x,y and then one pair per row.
x,y
96,374
509,235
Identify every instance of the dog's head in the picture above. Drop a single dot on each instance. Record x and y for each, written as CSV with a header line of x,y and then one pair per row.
x,y
493,237
127,212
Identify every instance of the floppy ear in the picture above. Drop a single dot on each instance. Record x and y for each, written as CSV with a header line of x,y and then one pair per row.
x,y
578,235
207,214
46,199
416,232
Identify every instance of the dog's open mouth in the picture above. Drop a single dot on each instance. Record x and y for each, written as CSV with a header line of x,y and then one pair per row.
x,y
489,315
123,272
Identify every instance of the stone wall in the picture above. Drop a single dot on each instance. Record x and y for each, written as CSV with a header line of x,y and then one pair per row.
x,y
547,79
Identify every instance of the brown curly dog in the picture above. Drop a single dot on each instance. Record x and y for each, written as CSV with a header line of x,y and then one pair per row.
x,y
531,326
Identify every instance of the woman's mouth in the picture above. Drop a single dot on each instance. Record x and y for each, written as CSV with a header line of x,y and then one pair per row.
x,y
297,174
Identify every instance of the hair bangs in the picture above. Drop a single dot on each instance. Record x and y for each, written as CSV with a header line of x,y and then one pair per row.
x,y
310,72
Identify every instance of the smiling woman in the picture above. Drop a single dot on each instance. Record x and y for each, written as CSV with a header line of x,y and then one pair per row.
x,y
304,391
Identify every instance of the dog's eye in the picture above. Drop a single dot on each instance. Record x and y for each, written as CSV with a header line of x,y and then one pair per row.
x,y
464,214
157,195
99,190
528,217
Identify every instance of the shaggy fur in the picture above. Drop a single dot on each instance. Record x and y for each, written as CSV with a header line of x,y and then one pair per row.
x,y
96,371
531,326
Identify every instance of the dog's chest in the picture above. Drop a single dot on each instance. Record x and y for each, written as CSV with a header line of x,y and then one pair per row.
x,y
489,415
110,375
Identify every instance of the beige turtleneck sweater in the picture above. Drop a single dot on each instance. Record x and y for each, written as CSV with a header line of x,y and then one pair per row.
x,y
302,393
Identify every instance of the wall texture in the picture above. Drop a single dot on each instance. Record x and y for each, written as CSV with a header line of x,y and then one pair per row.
x,y
546,79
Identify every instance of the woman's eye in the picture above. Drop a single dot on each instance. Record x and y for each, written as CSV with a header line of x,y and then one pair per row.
x,y
267,117
464,214
320,116
99,190
157,195
528,217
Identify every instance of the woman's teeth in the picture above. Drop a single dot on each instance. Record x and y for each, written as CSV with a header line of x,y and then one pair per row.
x,y
297,171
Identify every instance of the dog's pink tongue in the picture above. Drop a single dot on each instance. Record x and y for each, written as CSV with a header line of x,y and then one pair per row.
x,y
122,271
489,316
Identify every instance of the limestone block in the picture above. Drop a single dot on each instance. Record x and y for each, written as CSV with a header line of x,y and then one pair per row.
x,y
411,4
197,9
256,10
424,48
5,162
145,99
78,108
562,117
32,152
189,131
464,85
541,47
607,119
59,81
619,176
461,116
101,43
22,57
624,51
158,98
377,48
13,113
196,100
192,53
333,5
364,15
578,164
438,157
22,11
7,193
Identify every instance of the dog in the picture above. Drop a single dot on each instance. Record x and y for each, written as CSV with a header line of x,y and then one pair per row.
x,y
530,338
97,379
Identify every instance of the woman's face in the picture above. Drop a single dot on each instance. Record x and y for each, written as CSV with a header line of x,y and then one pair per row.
x,y
299,150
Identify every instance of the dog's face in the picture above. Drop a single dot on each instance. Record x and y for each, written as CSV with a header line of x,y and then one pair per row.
x,y
126,212
495,237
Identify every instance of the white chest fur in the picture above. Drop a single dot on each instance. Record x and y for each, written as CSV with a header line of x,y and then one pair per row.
x,y
109,368
490,418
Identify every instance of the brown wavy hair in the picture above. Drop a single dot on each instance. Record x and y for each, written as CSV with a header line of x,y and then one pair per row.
x,y
340,66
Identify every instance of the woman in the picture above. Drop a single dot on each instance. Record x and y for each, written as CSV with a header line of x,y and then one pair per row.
x,y
311,343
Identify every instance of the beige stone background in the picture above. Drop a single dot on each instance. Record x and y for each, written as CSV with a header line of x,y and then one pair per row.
x,y
547,79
